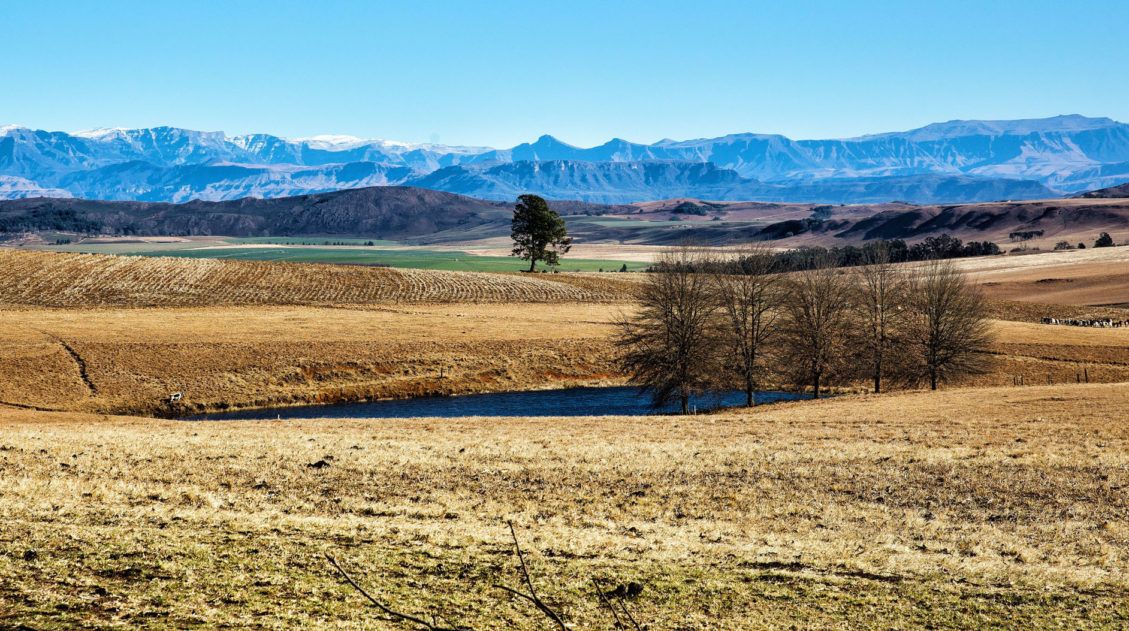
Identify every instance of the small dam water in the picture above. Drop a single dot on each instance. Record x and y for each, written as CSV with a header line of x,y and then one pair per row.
x,y
609,401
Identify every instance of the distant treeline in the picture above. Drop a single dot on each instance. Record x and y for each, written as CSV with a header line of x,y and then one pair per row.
x,y
63,220
896,251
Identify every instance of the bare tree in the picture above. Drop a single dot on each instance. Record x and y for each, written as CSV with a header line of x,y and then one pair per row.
x,y
668,346
949,330
817,309
748,299
880,291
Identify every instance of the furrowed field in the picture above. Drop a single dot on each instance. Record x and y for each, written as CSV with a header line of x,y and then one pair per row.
x,y
987,504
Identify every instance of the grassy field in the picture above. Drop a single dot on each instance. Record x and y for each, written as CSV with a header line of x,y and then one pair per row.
x,y
78,280
980,508
411,259
986,505
132,360
1097,276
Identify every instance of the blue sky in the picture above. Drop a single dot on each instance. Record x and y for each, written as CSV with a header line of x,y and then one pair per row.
x,y
500,73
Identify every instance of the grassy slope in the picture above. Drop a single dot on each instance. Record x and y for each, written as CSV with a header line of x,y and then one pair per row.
x,y
964,508
276,355
225,356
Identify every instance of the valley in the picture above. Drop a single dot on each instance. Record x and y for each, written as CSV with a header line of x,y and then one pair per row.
x,y
988,502
233,334
426,229
528,316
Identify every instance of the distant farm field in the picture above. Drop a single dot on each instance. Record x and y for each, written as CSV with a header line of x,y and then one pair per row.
x,y
339,250
77,280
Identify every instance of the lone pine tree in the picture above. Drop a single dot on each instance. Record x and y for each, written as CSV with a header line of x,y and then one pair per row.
x,y
538,232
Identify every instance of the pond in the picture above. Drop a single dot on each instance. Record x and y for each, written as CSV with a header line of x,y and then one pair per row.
x,y
610,401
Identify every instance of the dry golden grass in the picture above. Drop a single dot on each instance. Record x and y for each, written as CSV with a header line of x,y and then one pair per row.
x,y
275,355
1097,276
256,356
223,357
963,508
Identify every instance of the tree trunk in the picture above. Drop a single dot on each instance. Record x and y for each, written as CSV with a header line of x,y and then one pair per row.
x,y
815,389
878,376
685,404
532,265
932,378
750,397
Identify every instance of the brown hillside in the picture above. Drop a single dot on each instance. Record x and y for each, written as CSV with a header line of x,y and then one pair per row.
x,y
1121,190
1072,220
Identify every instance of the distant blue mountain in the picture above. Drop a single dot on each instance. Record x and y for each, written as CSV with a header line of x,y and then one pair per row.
x,y
956,161
626,182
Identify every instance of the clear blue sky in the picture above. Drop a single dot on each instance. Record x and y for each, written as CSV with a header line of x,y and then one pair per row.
x,y
499,73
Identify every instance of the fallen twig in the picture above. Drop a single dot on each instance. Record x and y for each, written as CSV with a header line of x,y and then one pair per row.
x,y
381,606
604,599
627,612
532,595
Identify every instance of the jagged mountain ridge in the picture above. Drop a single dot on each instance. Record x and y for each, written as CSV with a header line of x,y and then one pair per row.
x,y
629,182
1064,153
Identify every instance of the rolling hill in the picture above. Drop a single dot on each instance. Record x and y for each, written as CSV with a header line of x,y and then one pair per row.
x,y
427,216
1113,192
387,212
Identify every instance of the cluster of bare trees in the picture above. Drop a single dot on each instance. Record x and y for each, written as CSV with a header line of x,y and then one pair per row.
x,y
698,331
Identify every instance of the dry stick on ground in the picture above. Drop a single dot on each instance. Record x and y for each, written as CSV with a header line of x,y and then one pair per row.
x,y
532,595
604,599
395,614
627,612
622,604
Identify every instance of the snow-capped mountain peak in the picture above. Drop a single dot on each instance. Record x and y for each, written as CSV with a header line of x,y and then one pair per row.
x,y
335,142
100,133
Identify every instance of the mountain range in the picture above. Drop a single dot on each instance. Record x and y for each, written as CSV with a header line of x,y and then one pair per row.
x,y
957,161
